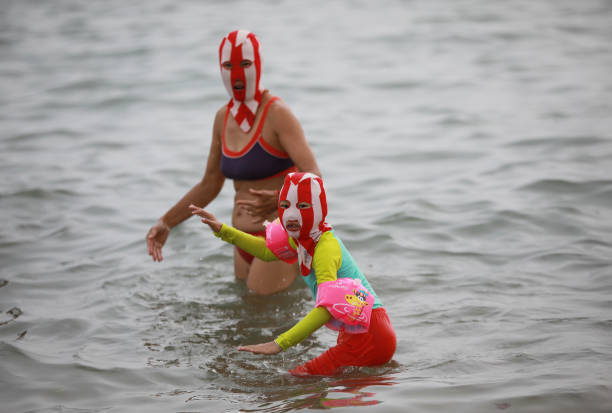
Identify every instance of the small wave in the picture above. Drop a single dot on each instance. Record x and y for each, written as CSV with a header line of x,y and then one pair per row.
x,y
44,134
39,194
557,142
318,89
603,197
135,51
396,85
499,224
401,218
98,210
428,156
118,101
560,257
551,186
81,85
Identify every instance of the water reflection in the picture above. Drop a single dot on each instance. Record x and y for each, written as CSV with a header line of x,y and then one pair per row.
x,y
328,393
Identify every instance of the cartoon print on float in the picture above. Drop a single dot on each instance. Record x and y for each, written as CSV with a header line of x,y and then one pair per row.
x,y
357,301
349,303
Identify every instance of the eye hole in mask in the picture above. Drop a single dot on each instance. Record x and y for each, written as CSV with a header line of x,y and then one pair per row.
x,y
301,205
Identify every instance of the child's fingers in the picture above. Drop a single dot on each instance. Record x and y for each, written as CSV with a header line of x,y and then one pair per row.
x,y
264,348
249,347
198,211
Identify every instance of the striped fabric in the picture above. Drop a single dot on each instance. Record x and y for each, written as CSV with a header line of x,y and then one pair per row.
x,y
304,187
236,47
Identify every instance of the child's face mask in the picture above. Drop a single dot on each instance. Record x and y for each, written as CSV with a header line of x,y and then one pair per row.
x,y
302,206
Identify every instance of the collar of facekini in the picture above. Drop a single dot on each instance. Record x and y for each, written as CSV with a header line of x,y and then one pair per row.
x,y
306,247
244,111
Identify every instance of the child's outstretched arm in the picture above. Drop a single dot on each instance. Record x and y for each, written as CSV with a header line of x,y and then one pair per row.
x,y
207,218
255,246
305,327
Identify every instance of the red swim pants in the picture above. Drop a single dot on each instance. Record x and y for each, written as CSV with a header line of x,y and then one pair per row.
x,y
373,348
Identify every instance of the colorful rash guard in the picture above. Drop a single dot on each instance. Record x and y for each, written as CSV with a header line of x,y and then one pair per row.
x,y
331,260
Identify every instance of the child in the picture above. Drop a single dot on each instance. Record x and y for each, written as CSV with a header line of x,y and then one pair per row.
x,y
345,301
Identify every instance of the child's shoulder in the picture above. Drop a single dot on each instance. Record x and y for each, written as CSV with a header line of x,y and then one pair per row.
x,y
328,236
328,241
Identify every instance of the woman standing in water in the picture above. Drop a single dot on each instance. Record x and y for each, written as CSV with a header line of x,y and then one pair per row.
x,y
256,141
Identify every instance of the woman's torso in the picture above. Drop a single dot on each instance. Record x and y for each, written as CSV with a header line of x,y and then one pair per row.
x,y
247,148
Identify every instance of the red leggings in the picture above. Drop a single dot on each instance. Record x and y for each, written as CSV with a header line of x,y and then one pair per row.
x,y
373,348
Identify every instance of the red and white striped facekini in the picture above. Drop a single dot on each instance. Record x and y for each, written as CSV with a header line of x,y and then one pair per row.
x,y
237,46
304,187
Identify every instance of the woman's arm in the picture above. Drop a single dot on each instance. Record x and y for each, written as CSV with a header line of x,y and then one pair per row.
x,y
209,186
292,139
201,194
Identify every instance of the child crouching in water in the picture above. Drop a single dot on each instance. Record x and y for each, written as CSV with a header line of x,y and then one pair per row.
x,y
344,299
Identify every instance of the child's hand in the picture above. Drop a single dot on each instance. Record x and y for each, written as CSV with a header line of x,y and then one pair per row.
x,y
265,348
207,218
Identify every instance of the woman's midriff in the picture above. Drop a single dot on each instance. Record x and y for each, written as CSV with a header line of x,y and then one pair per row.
x,y
240,218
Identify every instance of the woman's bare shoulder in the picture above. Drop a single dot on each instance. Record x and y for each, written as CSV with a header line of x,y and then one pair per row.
x,y
278,106
280,114
221,112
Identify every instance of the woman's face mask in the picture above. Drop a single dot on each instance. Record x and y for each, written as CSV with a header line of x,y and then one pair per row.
x,y
240,63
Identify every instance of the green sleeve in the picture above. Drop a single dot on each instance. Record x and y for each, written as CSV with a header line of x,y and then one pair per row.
x,y
255,246
305,327
327,258
326,262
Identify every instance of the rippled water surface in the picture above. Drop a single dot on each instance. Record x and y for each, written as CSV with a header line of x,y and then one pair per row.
x,y
467,151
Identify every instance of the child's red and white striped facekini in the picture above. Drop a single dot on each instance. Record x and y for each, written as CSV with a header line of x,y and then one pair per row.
x,y
236,47
304,187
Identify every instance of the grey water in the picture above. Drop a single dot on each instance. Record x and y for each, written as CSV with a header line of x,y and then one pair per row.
x,y
467,152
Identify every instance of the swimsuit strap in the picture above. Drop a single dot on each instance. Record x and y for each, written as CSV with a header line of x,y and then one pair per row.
x,y
256,135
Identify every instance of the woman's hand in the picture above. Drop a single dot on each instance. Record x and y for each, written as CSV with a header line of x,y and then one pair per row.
x,y
264,204
265,348
156,238
207,218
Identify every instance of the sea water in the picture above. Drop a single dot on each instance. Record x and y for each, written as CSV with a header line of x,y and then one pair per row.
x,y
466,148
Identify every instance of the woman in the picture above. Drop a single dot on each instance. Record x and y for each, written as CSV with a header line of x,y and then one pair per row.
x,y
256,141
